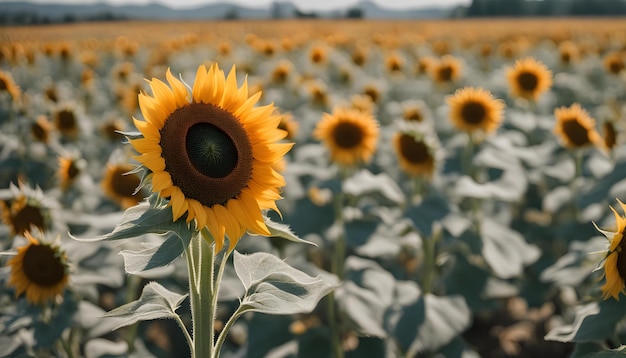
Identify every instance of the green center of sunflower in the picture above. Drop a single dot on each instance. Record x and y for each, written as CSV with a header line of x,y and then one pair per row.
x,y
207,153
473,112
42,265
414,151
25,218
210,150
347,135
528,81
576,133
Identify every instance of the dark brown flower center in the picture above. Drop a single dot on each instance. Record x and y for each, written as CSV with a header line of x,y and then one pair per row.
x,y
528,81
124,184
72,170
444,73
3,84
39,132
372,93
207,153
610,135
347,135
43,266
576,133
621,258
473,112
414,151
413,115
26,217
66,120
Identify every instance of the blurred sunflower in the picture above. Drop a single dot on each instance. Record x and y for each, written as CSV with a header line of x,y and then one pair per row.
x,y
120,185
111,129
576,128
70,168
318,55
446,70
529,78
289,125
65,120
614,62
40,129
615,259
39,271
473,109
416,154
362,102
394,62
7,84
349,134
281,72
359,55
568,52
26,209
213,157
609,134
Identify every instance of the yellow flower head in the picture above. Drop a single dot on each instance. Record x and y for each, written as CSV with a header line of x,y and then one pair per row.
x,y
69,169
446,70
529,78
615,259
39,270
23,213
576,128
473,109
212,153
7,84
350,135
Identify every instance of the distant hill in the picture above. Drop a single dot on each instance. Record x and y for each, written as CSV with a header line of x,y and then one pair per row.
x,y
30,13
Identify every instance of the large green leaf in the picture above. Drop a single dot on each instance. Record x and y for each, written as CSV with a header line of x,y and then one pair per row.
x,y
155,302
157,256
274,287
146,218
505,250
364,182
595,321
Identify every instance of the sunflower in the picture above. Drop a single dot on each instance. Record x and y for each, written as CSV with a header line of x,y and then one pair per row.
x,y
111,129
212,155
474,108
40,129
614,62
121,185
22,213
66,121
415,153
615,259
350,135
289,125
446,70
359,55
394,62
39,270
609,134
281,72
575,127
529,78
568,52
7,84
318,55
69,169
362,102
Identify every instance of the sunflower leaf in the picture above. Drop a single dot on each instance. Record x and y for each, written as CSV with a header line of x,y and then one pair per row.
x,y
284,232
595,321
274,287
142,219
155,302
160,255
505,250
364,182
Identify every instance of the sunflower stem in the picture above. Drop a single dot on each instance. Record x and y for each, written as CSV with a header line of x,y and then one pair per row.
x,y
233,318
430,253
200,255
578,169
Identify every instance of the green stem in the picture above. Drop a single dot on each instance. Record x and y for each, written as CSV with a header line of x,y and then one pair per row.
x,y
468,157
222,337
131,295
182,326
575,185
200,255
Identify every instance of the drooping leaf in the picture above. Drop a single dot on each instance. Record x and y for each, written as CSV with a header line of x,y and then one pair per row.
x,y
156,256
284,232
155,302
274,287
364,182
433,209
505,250
595,321
445,318
577,264
145,218
366,295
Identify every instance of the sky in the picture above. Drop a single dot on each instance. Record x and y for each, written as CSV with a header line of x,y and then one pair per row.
x,y
305,5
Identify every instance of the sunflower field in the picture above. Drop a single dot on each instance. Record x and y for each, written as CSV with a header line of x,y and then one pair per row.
x,y
318,188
